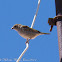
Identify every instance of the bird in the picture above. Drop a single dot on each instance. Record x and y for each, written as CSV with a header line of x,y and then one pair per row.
x,y
27,32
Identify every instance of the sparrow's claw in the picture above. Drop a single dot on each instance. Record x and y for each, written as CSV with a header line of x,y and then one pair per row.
x,y
27,42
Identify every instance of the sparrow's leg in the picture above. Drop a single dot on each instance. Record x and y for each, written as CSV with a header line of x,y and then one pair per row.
x,y
28,41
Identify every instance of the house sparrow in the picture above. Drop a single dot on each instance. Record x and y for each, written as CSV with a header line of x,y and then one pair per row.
x,y
27,32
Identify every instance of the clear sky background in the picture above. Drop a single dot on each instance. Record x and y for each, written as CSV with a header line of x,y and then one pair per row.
x,y
44,48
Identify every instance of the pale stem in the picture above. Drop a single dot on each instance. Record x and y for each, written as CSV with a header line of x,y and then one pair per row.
x,y
27,45
35,14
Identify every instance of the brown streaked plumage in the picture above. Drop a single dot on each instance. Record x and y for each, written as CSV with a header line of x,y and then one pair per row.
x,y
27,32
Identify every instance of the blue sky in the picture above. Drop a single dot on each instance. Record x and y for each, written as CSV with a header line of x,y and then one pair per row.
x,y
44,48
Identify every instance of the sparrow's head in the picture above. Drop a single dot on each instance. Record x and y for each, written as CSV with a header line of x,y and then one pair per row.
x,y
16,27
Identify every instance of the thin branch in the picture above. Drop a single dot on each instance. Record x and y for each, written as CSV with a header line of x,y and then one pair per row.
x,y
23,52
35,14
27,44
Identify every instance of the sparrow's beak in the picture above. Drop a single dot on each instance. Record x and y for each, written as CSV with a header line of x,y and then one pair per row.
x,y
12,28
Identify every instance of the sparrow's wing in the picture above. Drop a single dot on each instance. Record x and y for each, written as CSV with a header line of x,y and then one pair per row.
x,y
31,30
26,28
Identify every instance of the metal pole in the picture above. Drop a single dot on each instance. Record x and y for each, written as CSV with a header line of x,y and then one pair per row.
x,y
59,30
59,26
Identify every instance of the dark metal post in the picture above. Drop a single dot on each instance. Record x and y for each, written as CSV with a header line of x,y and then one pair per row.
x,y
59,30
59,26
57,21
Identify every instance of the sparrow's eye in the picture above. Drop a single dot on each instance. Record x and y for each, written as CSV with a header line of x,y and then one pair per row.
x,y
15,26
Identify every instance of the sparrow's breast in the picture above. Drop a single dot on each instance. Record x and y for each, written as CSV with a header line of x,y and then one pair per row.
x,y
28,35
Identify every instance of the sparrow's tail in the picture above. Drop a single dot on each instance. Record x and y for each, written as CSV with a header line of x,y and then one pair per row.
x,y
45,33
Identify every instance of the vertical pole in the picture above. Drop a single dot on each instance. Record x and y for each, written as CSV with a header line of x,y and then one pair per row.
x,y
59,26
59,30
